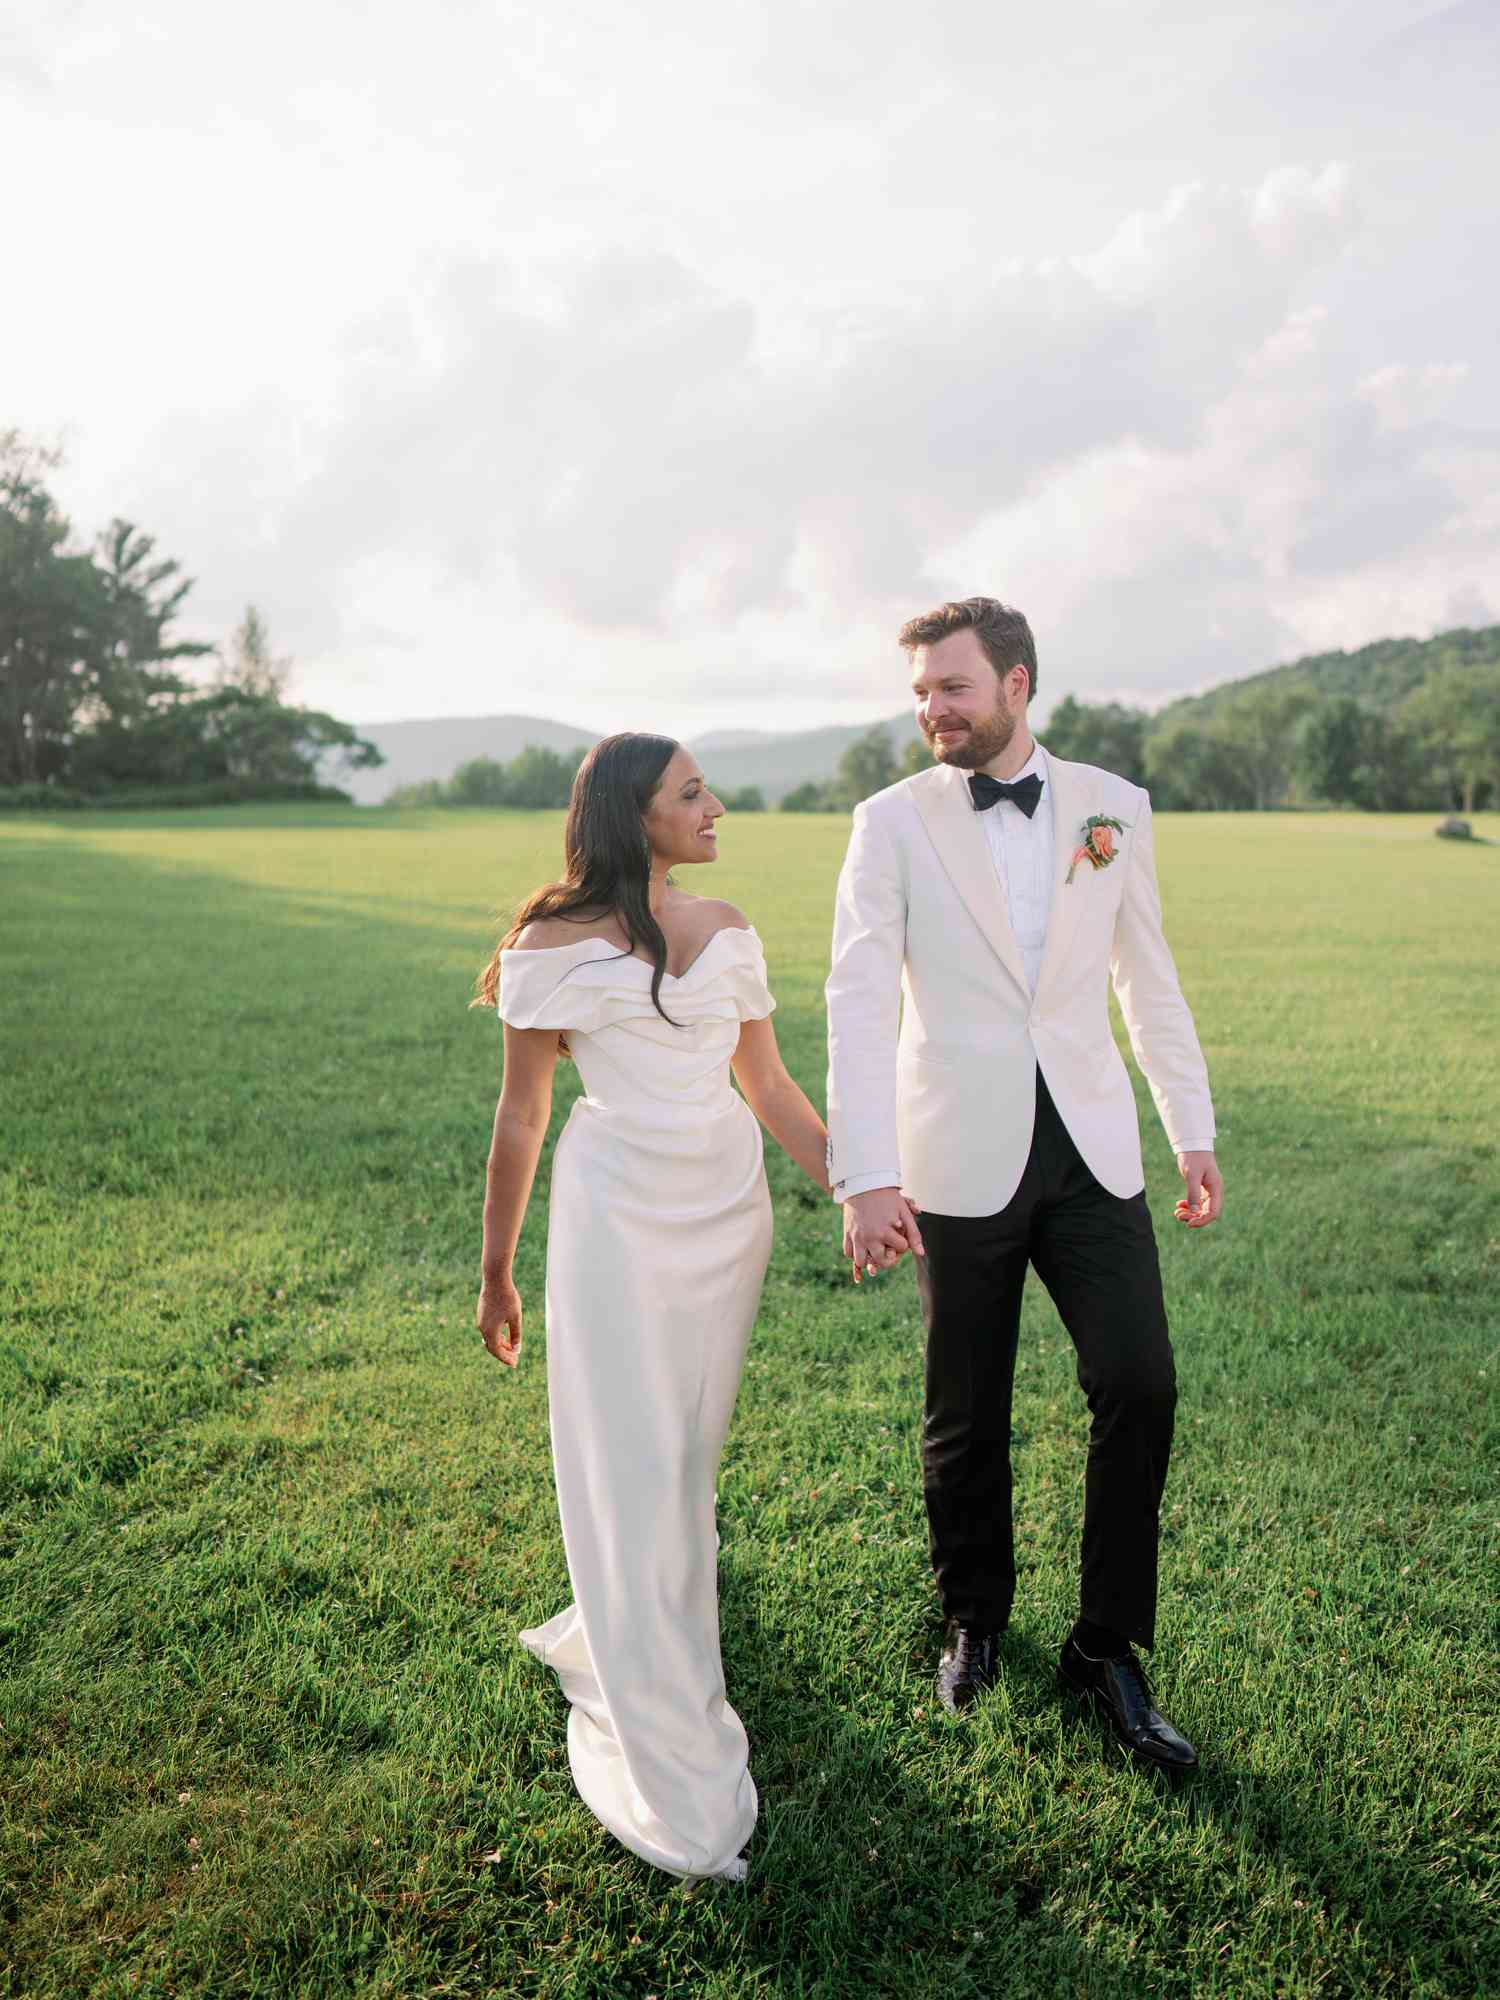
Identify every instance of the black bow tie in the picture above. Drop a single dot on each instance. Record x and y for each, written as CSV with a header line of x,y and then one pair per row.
x,y
985,790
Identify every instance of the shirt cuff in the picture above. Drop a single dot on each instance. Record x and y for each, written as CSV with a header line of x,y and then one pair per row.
x,y
862,1183
1194,1146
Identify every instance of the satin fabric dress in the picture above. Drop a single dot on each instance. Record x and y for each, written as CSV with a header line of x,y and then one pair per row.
x,y
659,1232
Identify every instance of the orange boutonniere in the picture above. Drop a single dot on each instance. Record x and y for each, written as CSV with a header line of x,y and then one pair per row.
x,y
1099,845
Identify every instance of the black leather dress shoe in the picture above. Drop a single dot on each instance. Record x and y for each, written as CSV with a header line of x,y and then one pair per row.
x,y
967,1665
1118,1688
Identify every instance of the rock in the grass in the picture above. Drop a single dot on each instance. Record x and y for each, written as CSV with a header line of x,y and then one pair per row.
x,y
1454,828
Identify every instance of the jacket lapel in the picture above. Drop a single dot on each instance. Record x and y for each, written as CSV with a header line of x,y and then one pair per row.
x,y
1069,810
949,816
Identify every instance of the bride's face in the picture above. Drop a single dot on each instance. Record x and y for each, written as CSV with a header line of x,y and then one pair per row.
x,y
679,821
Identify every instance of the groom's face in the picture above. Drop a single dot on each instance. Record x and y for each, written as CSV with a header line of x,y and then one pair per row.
x,y
967,711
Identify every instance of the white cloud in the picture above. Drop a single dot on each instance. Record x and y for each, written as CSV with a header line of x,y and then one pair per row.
x,y
1308,511
627,358
1404,397
623,459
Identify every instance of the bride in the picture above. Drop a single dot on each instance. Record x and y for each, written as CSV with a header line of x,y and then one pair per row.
x,y
659,1229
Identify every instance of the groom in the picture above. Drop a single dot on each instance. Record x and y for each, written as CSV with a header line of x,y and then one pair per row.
x,y
998,895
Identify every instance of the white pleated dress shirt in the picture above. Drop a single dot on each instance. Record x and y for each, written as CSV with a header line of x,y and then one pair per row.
x,y
1022,850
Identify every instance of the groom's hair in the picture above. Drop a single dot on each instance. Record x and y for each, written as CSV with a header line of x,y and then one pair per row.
x,y
1003,633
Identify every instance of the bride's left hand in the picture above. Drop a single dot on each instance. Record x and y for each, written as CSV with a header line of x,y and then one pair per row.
x,y
498,1317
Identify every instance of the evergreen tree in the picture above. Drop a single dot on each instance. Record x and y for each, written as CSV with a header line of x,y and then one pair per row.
x,y
55,623
251,665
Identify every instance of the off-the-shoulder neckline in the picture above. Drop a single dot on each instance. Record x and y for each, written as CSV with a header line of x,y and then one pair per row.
x,y
543,950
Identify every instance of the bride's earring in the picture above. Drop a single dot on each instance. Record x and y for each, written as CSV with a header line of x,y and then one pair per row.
x,y
646,844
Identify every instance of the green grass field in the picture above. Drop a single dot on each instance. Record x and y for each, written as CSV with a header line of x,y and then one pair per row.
x,y
270,1517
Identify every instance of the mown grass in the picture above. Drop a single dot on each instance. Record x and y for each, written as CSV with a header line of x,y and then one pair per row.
x,y
270,1517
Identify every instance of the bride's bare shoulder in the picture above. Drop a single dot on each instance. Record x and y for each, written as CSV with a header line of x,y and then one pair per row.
x,y
717,915
546,933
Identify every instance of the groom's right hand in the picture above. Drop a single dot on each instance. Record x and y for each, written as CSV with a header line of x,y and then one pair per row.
x,y
880,1226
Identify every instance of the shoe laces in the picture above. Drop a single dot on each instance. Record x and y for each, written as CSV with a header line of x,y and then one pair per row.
x,y
970,1643
1129,1666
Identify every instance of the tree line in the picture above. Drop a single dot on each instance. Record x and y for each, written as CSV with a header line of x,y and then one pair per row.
x,y
1273,742
94,705
96,708
538,778
535,778
1276,741
1289,739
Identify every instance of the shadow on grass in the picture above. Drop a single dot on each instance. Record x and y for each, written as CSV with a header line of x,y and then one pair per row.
x,y
906,1886
1364,1889
863,1878
865,1872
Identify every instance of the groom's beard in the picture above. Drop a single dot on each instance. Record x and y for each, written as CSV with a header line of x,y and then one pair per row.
x,y
979,742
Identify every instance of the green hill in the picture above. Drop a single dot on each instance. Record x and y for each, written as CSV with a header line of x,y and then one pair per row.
x,y
1379,675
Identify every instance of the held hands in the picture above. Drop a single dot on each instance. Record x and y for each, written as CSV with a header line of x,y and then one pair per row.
x,y
1204,1201
498,1317
880,1226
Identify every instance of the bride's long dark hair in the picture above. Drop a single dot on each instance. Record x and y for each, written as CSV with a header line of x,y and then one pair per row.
x,y
606,857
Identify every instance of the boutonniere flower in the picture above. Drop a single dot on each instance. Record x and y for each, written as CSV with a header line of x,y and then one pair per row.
x,y
1099,845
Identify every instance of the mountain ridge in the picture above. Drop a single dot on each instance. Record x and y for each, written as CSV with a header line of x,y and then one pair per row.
x,y
434,747
1379,674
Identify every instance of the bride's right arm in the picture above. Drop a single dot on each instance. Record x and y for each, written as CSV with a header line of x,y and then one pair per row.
x,y
515,1147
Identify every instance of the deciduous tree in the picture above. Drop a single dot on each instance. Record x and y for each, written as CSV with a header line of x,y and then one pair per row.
x,y
868,765
1106,733
1455,716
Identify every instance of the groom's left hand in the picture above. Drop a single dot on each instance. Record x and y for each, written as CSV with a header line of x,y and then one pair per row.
x,y
1204,1201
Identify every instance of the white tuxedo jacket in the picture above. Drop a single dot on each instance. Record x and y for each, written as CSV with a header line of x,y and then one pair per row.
x,y
934,1038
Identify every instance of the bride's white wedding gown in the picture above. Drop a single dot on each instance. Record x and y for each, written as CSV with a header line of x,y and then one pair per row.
x,y
659,1232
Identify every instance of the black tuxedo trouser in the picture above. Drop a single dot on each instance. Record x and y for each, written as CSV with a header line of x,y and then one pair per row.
x,y
1096,1254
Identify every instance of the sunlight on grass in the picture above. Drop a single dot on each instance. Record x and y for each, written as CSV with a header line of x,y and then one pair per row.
x,y
270,1516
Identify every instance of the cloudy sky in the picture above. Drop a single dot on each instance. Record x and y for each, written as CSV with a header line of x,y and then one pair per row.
x,y
645,365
